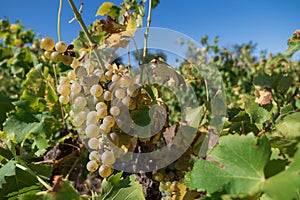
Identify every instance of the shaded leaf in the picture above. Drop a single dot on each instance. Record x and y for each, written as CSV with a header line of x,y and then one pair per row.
x,y
286,184
9,169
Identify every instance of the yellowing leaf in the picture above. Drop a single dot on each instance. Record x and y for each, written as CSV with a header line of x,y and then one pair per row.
x,y
104,8
131,27
116,40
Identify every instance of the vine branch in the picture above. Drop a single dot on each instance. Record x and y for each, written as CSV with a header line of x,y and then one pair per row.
x,y
92,43
147,31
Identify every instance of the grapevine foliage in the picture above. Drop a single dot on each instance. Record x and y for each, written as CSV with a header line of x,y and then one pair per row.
x,y
59,120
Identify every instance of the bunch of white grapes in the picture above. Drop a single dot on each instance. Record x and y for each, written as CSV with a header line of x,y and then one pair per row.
x,y
169,190
90,91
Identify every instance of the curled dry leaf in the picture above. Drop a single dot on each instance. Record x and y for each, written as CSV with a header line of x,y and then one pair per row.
x,y
264,97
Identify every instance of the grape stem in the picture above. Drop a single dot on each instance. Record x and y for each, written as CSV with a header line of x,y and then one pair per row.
x,y
147,31
92,44
146,39
58,20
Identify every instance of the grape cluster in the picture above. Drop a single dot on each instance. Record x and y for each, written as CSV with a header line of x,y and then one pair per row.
x,y
57,52
169,190
96,98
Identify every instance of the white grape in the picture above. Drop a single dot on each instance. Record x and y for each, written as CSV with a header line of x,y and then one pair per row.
x,y
105,171
115,78
111,86
92,131
120,93
93,143
107,96
64,80
127,101
96,90
102,112
81,130
75,64
101,105
75,88
92,165
63,90
92,117
114,111
77,121
72,75
94,155
63,99
108,75
132,91
80,102
108,158
126,80
108,121
105,128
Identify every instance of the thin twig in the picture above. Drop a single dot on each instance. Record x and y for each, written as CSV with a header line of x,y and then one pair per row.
x,y
56,84
147,31
58,20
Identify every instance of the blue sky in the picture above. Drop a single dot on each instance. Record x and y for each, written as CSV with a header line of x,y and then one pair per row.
x,y
269,23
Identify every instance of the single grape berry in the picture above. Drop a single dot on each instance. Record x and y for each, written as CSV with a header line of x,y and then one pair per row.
x,y
56,56
80,102
96,90
108,121
114,111
47,54
92,165
63,90
47,44
92,131
120,93
108,158
105,171
101,112
94,155
93,143
101,105
67,60
60,47
63,99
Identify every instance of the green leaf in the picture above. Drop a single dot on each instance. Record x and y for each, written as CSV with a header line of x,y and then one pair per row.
x,y
257,113
286,184
284,84
294,46
5,106
108,8
20,129
237,166
66,191
155,3
118,188
289,126
263,80
9,169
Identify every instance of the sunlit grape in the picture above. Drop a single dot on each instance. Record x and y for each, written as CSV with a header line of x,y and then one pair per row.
x,y
47,44
92,166
105,171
